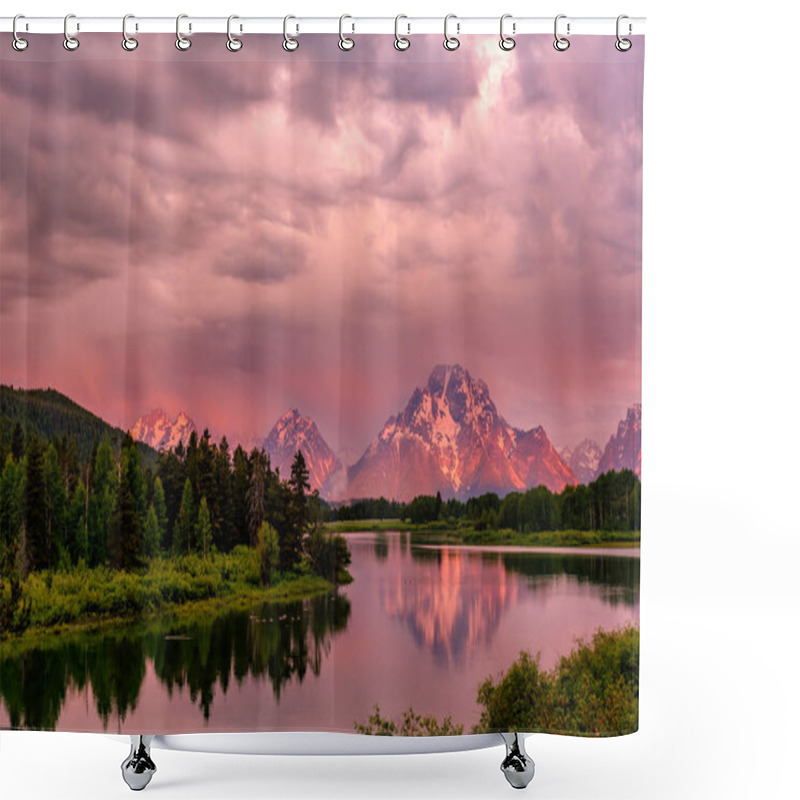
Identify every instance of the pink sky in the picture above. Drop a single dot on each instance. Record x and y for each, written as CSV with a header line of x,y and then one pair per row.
x,y
236,234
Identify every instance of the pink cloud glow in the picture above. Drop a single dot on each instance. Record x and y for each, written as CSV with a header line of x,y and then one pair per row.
x,y
235,234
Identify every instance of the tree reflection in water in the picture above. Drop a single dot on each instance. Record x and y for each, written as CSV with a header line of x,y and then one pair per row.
x,y
277,642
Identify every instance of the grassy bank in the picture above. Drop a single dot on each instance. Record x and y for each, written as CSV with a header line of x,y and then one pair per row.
x,y
443,532
86,598
369,525
504,536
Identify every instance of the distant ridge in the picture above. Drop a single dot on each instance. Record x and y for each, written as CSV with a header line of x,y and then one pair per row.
x,y
47,413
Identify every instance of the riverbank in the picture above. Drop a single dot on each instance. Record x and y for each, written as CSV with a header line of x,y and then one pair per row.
x,y
442,533
90,598
592,691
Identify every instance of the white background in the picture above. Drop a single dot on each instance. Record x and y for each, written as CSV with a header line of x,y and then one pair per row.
x,y
720,610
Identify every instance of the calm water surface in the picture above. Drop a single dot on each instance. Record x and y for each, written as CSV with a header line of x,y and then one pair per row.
x,y
419,626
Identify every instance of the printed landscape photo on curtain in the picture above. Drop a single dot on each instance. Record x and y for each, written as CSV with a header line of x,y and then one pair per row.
x,y
321,386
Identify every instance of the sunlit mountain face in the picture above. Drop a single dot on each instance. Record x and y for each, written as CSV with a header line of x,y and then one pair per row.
x,y
450,438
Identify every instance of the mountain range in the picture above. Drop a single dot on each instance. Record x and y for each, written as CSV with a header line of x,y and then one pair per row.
x,y
157,430
449,438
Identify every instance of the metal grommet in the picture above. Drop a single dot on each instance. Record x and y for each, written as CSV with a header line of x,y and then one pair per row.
x,y
181,42
18,43
451,42
401,42
345,42
561,43
70,42
623,45
290,43
506,42
233,44
129,43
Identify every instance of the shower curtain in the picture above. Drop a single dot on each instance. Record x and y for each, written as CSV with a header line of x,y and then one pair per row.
x,y
321,403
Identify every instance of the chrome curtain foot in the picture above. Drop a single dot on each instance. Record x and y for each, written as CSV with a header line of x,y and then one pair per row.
x,y
517,766
138,768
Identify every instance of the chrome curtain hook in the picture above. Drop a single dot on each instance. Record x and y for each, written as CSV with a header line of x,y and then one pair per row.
x,y
181,42
345,43
233,44
290,43
451,42
70,42
129,43
18,43
401,42
506,42
623,45
561,43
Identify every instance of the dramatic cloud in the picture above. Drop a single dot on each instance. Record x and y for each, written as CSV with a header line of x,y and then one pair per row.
x,y
236,234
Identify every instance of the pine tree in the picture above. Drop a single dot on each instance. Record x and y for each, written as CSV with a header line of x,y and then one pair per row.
x,y
126,535
257,493
56,508
187,517
101,501
203,528
37,547
77,533
160,507
241,483
152,533
17,442
10,516
223,533
297,516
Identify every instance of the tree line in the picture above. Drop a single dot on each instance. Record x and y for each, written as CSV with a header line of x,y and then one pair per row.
x,y
57,509
612,502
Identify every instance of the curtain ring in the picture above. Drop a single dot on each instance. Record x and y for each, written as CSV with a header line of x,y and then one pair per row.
x,y
401,42
233,44
18,43
181,42
290,43
561,43
345,43
623,45
129,43
70,42
506,42
451,42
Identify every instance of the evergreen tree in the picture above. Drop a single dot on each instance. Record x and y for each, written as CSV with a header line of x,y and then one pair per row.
x,y
222,521
36,546
56,508
205,469
203,528
297,513
126,534
17,442
160,507
187,517
101,501
257,493
241,483
152,533
77,528
10,516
